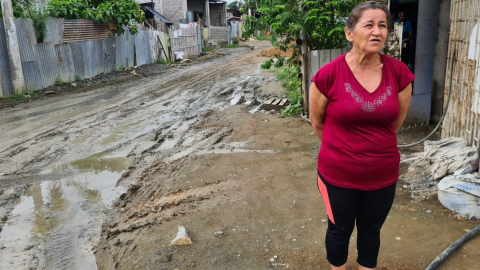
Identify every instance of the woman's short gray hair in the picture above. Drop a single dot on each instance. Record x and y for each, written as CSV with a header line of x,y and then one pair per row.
x,y
357,13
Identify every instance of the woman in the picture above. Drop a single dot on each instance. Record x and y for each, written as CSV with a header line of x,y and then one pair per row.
x,y
357,103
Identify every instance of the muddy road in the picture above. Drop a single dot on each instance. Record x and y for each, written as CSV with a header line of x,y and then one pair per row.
x,y
102,179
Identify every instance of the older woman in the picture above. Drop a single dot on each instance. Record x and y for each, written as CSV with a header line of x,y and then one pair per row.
x,y
357,103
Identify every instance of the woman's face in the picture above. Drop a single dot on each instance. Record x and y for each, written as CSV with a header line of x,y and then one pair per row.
x,y
370,32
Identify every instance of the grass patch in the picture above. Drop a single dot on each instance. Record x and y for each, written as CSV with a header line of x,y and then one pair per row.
x,y
22,96
207,49
288,76
263,38
233,46
58,81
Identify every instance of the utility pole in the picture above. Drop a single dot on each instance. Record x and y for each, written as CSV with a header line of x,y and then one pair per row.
x,y
16,70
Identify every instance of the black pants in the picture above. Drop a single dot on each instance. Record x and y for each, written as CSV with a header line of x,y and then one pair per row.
x,y
368,209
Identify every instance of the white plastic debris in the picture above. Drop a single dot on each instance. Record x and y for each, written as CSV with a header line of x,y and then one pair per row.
x,y
448,156
182,238
461,193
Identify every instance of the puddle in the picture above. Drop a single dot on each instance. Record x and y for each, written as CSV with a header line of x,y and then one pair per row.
x,y
55,224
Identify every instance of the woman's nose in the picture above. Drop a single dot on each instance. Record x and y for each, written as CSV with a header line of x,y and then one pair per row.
x,y
376,30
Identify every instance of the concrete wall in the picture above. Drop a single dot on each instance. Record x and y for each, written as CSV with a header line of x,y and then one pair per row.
x,y
421,102
218,34
218,15
440,59
174,10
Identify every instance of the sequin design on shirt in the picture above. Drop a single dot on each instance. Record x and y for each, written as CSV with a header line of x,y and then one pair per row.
x,y
368,106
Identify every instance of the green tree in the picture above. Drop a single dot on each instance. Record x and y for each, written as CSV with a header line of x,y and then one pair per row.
x,y
322,21
124,13
233,5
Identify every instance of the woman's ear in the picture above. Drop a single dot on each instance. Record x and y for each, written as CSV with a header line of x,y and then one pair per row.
x,y
348,34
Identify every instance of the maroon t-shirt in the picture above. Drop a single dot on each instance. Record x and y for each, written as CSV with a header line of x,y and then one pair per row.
x,y
359,146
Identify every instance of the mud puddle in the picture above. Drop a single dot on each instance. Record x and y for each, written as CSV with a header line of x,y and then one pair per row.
x,y
55,224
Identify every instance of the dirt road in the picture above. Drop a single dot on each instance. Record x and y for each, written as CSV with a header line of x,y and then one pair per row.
x,y
102,179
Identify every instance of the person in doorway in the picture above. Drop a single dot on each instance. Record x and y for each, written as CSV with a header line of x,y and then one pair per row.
x,y
407,40
357,103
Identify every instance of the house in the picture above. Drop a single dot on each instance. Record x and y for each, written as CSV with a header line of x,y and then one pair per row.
x,y
210,14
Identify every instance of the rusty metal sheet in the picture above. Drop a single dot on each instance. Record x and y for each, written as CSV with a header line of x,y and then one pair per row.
x,y
54,31
125,50
47,62
78,56
32,75
65,63
88,46
26,39
142,48
78,30
98,57
109,54
6,87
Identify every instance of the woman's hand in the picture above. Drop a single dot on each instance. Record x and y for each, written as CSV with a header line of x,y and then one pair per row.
x,y
318,110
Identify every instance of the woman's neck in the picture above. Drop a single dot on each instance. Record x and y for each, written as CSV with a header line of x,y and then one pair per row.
x,y
360,59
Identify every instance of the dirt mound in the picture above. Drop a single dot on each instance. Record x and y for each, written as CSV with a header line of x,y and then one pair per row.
x,y
273,51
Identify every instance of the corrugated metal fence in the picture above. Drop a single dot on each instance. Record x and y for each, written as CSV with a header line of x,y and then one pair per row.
x,y
462,118
316,60
55,59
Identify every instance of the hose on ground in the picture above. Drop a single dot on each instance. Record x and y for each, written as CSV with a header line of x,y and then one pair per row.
x,y
443,115
446,105
452,247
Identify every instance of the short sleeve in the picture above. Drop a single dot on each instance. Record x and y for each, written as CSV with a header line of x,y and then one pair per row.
x,y
409,27
404,76
321,80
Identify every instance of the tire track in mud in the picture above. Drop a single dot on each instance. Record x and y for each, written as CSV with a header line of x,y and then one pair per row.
x,y
169,117
102,118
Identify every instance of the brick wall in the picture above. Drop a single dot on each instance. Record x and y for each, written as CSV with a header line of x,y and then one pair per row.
x,y
175,10
217,15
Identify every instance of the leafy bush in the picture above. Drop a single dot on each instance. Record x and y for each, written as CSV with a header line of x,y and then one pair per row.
x,y
125,13
58,81
280,62
235,41
288,76
266,65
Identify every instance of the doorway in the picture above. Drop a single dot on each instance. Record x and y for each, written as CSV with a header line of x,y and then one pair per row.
x,y
409,8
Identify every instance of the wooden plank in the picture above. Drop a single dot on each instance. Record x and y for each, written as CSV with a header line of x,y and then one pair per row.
x,y
283,102
276,102
270,101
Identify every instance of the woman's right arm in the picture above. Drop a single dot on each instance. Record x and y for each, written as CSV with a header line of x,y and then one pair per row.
x,y
318,109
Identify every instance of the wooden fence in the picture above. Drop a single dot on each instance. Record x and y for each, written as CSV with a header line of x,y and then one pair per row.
x,y
184,42
462,118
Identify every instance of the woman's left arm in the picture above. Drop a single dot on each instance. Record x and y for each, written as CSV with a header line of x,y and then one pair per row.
x,y
403,101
